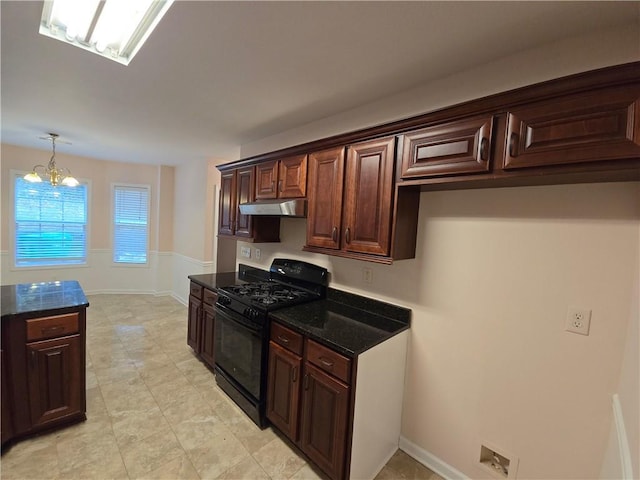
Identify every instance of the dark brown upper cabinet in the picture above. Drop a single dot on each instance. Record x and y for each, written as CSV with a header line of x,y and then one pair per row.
x,y
369,197
458,147
236,187
324,217
598,125
285,178
351,199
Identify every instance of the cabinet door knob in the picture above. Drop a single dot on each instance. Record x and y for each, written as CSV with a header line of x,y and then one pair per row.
x,y
306,382
513,144
347,235
483,153
33,359
294,374
334,234
280,185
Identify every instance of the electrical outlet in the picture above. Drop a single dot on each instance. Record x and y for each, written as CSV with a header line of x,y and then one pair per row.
x,y
245,252
578,320
367,275
258,254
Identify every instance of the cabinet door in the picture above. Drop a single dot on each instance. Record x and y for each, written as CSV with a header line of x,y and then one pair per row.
x,y
227,203
283,390
368,197
244,195
266,180
324,420
194,324
206,343
453,148
54,370
6,423
326,170
586,127
292,177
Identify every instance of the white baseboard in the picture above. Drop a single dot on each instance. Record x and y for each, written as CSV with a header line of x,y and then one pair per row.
x,y
430,461
623,442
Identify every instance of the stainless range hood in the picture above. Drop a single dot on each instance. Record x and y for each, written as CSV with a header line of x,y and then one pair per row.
x,y
296,207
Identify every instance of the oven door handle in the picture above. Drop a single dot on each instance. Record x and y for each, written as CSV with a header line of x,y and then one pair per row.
x,y
238,319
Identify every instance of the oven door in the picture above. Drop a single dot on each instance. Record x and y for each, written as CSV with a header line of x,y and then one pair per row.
x,y
239,350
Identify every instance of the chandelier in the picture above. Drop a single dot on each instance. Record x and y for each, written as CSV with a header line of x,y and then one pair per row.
x,y
57,175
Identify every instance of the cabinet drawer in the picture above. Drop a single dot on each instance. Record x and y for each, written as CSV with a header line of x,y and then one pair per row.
x,y
286,338
329,361
209,297
196,290
51,327
458,147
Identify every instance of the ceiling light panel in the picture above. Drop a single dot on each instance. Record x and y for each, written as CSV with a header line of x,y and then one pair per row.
x,y
115,29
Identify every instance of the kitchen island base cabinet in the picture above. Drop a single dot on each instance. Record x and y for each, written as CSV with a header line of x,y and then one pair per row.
x,y
54,379
43,358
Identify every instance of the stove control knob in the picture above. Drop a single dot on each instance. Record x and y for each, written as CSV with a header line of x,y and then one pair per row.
x,y
224,300
250,313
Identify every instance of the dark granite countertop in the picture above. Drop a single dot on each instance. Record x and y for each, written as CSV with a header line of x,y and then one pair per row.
x,y
213,281
347,323
43,298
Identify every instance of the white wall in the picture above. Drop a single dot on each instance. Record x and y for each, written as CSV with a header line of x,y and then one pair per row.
x,y
494,273
489,360
100,274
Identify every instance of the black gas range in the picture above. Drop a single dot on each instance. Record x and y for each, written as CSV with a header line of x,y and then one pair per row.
x,y
242,328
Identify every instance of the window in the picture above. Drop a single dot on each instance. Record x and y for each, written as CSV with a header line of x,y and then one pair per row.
x,y
50,224
131,223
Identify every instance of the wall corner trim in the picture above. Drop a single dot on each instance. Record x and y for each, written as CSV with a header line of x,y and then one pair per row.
x,y
623,442
430,461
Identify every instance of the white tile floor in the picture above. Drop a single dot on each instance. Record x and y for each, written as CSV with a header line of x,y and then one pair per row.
x,y
154,411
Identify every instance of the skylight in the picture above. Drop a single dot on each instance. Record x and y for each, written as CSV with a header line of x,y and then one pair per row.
x,y
115,29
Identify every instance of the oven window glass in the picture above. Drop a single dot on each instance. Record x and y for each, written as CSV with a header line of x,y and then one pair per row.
x,y
238,351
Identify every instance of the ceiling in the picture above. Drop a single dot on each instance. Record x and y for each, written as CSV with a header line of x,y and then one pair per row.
x,y
216,75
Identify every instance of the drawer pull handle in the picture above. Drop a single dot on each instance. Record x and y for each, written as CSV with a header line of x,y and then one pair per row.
x,y
284,340
294,375
53,329
33,359
347,235
513,144
306,382
334,234
484,143
326,363
280,185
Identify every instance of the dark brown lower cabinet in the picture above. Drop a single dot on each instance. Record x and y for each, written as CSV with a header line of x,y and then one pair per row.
x,y
325,409
43,372
201,318
206,343
306,398
283,392
193,323
54,379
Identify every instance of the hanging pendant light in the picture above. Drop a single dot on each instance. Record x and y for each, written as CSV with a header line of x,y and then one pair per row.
x,y
57,175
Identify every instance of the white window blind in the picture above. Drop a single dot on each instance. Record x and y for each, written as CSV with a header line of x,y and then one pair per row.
x,y
131,223
50,224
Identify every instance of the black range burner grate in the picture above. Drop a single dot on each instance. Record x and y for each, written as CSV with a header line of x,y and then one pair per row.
x,y
268,293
